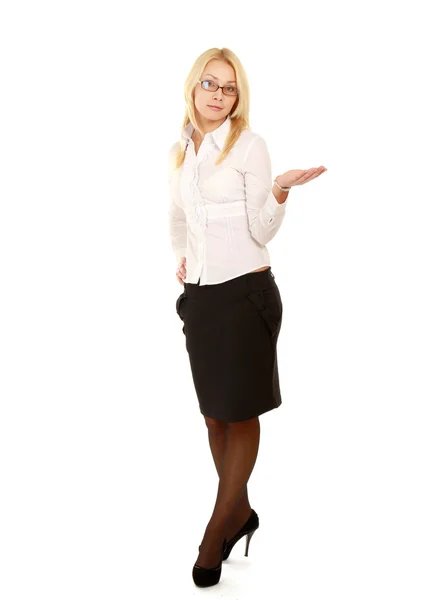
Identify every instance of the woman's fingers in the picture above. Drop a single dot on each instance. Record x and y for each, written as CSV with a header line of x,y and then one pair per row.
x,y
181,274
316,173
311,174
307,175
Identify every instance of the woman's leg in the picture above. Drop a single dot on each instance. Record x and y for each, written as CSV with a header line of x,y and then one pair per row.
x,y
241,450
217,434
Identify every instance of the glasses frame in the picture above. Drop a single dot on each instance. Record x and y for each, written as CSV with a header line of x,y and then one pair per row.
x,y
217,87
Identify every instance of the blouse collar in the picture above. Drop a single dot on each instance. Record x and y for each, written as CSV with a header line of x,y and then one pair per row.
x,y
218,135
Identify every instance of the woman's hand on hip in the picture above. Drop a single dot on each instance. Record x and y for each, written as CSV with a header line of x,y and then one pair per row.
x,y
181,272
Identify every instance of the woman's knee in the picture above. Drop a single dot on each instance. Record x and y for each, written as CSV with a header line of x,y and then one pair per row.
x,y
215,425
248,423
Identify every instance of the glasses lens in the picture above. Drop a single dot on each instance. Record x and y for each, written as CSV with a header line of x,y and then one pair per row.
x,y
209,85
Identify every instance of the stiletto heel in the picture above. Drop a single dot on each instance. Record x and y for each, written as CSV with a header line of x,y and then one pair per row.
x,y
248,539
248,529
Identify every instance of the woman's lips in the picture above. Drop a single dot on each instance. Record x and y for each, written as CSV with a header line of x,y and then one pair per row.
x,y
215,107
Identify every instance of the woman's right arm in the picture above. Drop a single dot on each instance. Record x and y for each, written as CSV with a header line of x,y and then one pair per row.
x,y
176,215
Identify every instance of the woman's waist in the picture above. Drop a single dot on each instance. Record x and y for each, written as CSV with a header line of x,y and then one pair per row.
x,y
237,284
211,211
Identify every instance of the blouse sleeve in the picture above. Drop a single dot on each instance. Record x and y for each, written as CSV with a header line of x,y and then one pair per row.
x,y
265,214
176,215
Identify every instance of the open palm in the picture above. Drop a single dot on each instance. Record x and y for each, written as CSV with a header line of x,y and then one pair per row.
x,y
299,176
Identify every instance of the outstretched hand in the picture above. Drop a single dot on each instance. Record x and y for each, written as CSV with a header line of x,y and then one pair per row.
x,y
299,177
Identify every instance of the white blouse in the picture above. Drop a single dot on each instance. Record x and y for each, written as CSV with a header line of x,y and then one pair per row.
x,y
221,217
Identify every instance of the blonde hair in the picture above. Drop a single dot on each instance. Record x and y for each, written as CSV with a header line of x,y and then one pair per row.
x,y
240,113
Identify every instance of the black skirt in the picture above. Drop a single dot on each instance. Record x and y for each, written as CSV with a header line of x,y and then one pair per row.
x,y
231,331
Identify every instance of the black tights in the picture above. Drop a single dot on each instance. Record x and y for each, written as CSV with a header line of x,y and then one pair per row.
x,y
234,448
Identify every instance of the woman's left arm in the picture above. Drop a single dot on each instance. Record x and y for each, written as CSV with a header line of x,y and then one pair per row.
x,y
265,204
265,212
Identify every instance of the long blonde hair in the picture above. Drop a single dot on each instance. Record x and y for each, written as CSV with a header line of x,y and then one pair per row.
x,y
239,115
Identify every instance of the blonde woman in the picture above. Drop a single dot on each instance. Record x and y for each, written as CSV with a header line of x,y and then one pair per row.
x,y
224,208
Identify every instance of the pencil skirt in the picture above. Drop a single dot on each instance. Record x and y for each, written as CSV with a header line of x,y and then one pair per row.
x,y
231,331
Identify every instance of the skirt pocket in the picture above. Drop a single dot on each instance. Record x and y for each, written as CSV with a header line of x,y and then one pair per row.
x,y
179,304
269,306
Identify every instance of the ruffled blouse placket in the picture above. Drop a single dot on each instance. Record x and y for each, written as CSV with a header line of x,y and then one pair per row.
x,y
197,201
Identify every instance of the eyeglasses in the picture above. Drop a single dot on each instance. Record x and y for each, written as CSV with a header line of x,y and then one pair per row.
x,y
211,86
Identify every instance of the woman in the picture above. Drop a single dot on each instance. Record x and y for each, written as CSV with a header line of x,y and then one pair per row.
x,y
223,210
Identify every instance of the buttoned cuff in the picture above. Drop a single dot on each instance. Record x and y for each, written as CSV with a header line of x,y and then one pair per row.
x,y
272,210
272,207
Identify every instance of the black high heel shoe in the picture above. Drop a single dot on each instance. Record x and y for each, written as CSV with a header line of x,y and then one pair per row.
x,y
203,577
248,529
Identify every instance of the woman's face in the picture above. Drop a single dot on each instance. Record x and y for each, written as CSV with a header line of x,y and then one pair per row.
x,y
221,73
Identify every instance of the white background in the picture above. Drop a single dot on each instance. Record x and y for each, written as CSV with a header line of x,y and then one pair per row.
x,y
107,481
